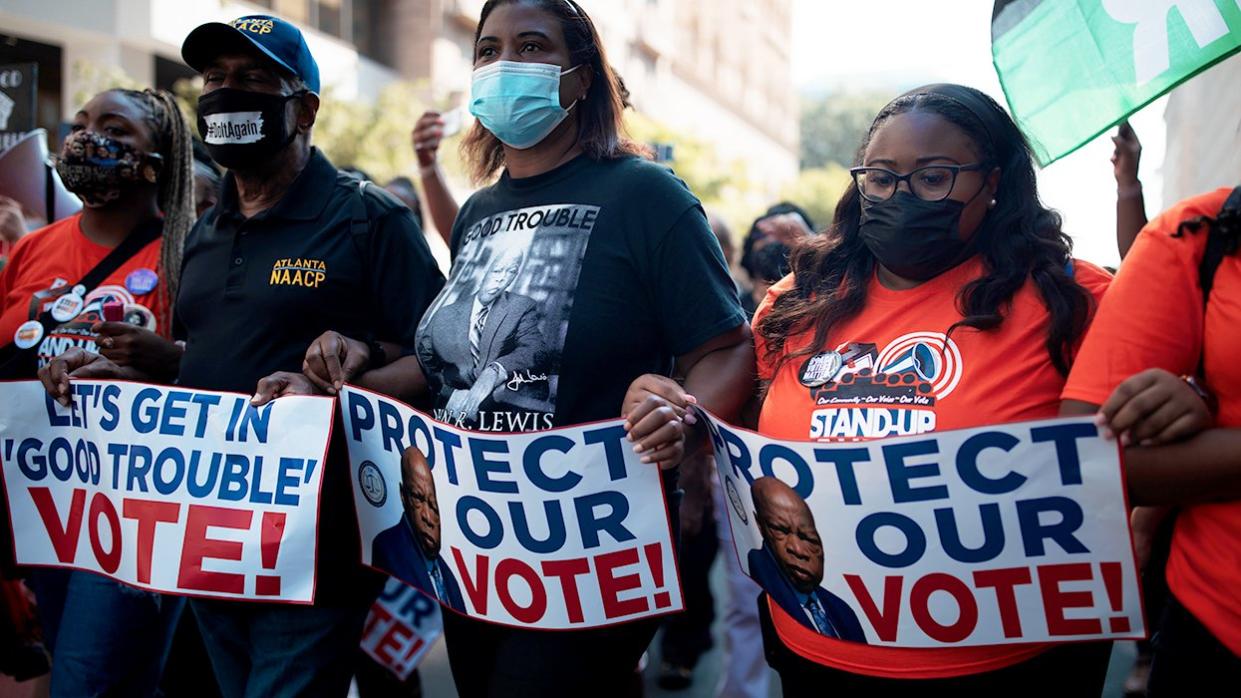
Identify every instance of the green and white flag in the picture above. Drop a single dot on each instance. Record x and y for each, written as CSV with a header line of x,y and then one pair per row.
x,y
1072,69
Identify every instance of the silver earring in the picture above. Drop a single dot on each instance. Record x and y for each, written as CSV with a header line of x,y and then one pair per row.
x,y
991,203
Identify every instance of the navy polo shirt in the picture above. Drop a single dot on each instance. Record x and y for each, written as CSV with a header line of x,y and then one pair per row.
x,y
256,292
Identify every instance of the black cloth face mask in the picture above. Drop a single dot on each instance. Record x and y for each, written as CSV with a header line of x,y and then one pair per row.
x,y
242,129
912,238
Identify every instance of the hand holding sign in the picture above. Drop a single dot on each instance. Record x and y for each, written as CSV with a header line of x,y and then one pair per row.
x,y
77,363
655,409
282,384
333,360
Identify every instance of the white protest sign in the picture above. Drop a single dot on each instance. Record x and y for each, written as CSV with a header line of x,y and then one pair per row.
x,y
401,628
995,535
177,491
557,529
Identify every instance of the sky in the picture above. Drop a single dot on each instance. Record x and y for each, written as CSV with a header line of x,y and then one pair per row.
x,y
900,44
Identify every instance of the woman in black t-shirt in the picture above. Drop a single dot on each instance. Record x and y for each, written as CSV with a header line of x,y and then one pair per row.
x,y
580,279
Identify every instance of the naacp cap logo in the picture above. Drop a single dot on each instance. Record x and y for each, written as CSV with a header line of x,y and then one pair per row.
x,y
734,498
272,37
371,481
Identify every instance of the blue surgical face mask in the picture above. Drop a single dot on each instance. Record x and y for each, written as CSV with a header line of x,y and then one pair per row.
x,y
519,103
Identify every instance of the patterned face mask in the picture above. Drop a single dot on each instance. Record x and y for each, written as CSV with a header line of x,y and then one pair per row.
x,y
98,168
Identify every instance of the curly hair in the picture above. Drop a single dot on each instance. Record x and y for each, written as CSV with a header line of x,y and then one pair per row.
x,y
1019,240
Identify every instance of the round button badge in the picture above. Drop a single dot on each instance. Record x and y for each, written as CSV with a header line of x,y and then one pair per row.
x,y
820,369
67,307
141,281
28,334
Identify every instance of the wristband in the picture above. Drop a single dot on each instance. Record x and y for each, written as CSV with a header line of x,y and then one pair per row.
x,y
379,357
1211,402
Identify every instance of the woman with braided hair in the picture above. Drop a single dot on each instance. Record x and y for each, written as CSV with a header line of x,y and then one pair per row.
x,y
102,280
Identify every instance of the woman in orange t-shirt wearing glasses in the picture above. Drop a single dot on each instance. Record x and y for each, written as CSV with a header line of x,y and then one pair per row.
x,y
944,281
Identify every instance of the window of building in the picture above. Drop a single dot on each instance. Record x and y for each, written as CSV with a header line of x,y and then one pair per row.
x,y
330,18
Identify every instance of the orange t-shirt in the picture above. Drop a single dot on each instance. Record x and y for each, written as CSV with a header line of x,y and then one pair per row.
x,y
47,263
899,374
1153,318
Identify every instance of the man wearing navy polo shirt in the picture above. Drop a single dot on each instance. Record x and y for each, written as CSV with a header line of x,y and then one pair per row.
x,y
292,250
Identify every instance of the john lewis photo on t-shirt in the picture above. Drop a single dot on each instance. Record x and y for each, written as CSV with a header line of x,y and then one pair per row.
x,y
491,343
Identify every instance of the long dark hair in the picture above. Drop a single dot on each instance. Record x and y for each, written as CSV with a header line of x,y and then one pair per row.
x,y
601,129
1019,239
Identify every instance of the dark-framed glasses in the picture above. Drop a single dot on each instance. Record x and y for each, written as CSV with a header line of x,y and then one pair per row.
x,y
930,183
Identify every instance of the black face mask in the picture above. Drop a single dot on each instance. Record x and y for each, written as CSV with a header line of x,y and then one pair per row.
x,y
915,239
242,129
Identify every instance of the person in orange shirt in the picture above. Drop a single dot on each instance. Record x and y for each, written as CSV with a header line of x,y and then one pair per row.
x,y
102,280
1155,325
944,296
128,158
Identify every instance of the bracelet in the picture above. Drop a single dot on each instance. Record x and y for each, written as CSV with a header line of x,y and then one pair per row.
x,y
1207,397
379,357
429,170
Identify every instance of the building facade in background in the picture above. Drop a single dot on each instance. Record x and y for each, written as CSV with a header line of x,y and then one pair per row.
x,y
718,70
1204,133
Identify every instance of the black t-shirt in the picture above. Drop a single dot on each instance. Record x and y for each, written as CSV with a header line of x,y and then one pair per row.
x,y
256,292
567,286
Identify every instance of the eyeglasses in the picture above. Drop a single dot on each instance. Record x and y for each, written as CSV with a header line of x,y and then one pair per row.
x,y
932,183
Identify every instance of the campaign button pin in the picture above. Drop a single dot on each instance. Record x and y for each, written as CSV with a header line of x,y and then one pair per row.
x,y
139,316
141,281
28,334
59,282
67,307
821,369
79,290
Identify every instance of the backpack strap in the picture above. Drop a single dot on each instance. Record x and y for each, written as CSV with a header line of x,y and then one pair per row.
x,y
21,363
360,233
359,222
1222,237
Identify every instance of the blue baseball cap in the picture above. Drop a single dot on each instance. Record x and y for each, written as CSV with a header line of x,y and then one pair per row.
x,y
273,37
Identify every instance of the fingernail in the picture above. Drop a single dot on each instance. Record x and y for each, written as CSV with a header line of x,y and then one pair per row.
x,y
691,399
1106,433
1124,439
646,459
690,418
1100,418
637,448
255,398
1146,442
